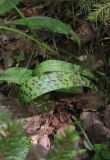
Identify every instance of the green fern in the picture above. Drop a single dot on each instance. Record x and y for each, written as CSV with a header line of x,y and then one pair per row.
x,y
14,144
102,151
96,10
65,146
101,12
86,4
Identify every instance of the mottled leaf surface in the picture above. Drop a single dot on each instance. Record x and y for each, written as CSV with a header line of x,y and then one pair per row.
x,y
37,86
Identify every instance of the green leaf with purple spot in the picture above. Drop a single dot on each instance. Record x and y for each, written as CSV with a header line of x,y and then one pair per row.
x,y
39,85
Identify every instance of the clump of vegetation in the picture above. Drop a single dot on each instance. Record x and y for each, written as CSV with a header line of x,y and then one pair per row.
x,y
55,75
65,145
59,75
102,151
14,143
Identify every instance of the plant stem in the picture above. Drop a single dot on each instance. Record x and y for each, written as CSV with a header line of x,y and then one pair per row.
x,y
44,45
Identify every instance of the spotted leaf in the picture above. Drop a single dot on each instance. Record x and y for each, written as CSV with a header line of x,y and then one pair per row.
x,y
39,85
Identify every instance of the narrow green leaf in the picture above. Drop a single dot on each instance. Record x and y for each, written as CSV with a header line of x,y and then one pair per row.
x,y
88,145
16,75
6,5
41,44
51,24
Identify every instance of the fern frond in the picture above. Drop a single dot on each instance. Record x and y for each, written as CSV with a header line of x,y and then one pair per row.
x,y
64,146
101,12
86,4
13,142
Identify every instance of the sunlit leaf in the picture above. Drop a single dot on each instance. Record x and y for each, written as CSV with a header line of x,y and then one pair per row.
x,y
51,24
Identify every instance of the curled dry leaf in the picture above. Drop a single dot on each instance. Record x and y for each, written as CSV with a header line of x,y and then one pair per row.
x,y
33,124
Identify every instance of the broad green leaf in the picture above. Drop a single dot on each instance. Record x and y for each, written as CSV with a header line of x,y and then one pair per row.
x,y
48,77
73,90
61,66
7,5
51,24
54,66
16,75
39,85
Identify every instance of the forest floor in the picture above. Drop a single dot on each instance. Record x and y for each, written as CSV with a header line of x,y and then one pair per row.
x,y
87,106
